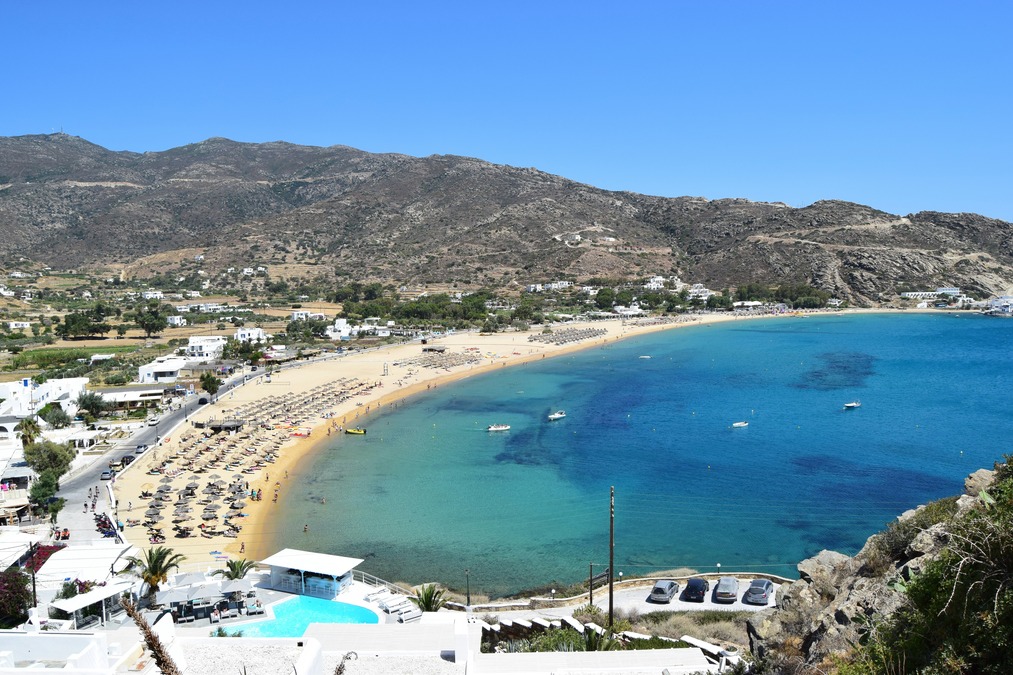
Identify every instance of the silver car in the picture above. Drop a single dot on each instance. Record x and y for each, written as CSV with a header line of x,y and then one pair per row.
x,y
727,590
760,592
663,591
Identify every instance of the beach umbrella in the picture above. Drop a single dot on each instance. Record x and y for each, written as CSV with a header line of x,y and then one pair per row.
x,y
151,512
214,476
154,518
239,505
212,507
193,485
147,487
209,490
172,595
165,479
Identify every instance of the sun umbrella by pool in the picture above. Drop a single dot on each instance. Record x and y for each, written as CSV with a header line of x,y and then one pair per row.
x,y
172,595
190,578
236,586
205,591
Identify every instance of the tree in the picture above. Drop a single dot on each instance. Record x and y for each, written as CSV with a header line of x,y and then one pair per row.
x,y
44,456
151,318
210,383
44,488
163,660
605,298
154,566
92,402
15,597
429,598
28,429
235,569
55,416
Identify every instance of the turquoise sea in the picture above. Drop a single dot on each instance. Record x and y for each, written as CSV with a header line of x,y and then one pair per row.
x,y
429,493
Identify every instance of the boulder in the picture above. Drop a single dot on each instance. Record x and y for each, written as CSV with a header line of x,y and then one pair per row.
x,y
978,481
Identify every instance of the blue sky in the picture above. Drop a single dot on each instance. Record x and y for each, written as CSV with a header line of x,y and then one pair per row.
x,y
904,106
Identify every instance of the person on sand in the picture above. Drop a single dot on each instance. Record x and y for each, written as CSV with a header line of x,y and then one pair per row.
x,y
242,547
305,528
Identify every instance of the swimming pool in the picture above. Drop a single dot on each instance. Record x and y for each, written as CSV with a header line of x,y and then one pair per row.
x,y
293,617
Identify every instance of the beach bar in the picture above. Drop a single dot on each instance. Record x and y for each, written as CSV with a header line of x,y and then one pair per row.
x,y
309,573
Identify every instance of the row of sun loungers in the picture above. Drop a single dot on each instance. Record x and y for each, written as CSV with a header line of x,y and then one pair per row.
x,y
568,335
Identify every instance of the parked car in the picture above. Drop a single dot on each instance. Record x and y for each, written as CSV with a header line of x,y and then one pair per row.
x,y
663,591
760,592
140,448
727,590
696,590
126,459
107,475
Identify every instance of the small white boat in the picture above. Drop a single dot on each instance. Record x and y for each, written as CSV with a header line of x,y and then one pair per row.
x,y
852,405
739,425
498,427
558,415
645,357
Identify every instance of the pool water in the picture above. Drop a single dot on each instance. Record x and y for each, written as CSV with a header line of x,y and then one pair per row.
x,y
293,617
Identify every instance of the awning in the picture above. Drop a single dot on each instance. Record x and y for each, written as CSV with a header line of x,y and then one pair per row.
x,y
91,597
308,561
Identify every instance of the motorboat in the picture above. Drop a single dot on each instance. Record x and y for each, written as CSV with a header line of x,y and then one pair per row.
x,y
739,425
356,431
498,427
645,357
852,405
558,415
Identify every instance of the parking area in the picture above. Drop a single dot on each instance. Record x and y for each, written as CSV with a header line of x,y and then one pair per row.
x,y
636,598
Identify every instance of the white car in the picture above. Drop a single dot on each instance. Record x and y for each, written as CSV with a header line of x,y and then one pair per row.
x,y
152,421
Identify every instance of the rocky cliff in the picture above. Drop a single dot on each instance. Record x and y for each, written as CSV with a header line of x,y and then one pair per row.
x,y
838,599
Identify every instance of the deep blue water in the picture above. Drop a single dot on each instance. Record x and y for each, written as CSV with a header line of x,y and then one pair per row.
x,y
428,492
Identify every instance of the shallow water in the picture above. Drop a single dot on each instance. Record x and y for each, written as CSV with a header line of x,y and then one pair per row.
x,y
429,493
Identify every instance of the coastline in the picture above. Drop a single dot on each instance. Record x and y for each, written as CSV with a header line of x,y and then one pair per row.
x,y
391,380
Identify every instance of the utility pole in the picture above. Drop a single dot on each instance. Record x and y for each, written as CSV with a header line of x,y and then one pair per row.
x,y
612,548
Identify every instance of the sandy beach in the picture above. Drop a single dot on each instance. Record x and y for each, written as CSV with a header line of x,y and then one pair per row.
x,y
296,411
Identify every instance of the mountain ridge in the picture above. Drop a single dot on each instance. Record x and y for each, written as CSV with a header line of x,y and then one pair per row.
x,y
392,217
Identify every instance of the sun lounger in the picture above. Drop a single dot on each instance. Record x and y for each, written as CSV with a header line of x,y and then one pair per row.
x,y
394,604
412,613
378,595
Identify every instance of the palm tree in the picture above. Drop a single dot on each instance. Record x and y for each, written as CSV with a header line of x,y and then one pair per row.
x,y
236,569
154,566
163,659
29,430
429,598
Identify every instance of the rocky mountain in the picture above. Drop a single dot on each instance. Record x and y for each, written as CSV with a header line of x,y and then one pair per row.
x,y
384,217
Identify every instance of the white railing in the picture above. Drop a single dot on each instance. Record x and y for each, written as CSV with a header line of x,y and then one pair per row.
x,y
371,580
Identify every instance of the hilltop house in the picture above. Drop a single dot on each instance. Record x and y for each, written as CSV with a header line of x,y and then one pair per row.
x,y
19,325
176,321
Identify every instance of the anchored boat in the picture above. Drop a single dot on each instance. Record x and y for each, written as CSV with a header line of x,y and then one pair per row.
x,y
356,431
558,415
498,427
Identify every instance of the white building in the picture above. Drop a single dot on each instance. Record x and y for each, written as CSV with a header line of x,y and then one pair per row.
x,y
176,321
206,347
25,397
339,331
300,315
250,335
1001,305
655,283
6,292
152,295
701,292
163,369
19,325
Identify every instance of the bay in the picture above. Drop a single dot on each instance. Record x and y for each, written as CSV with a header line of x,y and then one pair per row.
x,y
428,493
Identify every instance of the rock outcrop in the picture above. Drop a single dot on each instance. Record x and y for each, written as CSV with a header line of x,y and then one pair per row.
x,y
838,597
